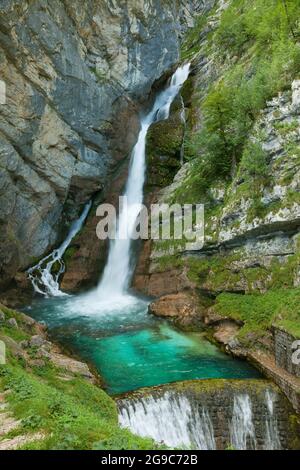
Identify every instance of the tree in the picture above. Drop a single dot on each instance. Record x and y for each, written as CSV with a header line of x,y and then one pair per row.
x,y
286,9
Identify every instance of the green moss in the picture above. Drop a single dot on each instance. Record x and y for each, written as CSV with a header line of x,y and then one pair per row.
x,y
208,386
164,141
294,421
69,253
167,262
261,311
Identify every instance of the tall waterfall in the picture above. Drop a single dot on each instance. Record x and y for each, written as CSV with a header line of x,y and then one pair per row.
x,y
46,282
170,419
242,431
116,276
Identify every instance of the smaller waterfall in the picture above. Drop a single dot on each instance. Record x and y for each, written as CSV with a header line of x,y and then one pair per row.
x,y
272,435
242,431
44,281
170,419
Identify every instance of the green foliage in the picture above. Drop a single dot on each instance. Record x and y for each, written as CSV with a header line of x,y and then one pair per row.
x,y
69,412
72,414
69,253
260,311
258,23
254,163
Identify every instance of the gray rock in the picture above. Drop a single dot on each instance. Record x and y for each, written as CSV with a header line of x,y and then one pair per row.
x,y
296,96
2,317
37,341
12,322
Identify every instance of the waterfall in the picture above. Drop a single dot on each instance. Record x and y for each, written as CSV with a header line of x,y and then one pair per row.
x,y
43,280
242,431
180,420
272,434
170,419
117,273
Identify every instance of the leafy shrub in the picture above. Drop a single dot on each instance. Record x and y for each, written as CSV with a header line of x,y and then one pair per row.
x,y
254,163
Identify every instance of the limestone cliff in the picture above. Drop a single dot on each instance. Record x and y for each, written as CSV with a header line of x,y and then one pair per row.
x,y
75,73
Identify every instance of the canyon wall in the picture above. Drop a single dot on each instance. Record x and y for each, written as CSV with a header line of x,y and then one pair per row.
x,y
75,75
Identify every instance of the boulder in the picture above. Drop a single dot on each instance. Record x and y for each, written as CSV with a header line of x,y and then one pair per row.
x,y
37,341
182,307
12,322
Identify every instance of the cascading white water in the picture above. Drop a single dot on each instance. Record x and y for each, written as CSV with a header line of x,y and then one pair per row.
x,y
170,419
43,280
178,420
272,434
242,431
116,276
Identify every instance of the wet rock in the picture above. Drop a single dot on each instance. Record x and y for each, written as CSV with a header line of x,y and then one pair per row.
x,y
226,332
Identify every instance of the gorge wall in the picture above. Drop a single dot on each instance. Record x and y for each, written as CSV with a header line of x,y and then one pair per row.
x,y
75,76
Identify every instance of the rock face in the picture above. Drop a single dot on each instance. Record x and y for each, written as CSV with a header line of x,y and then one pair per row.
x,y
285,345
75,73
183,307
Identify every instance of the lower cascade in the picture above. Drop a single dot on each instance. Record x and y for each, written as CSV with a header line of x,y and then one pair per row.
x,y
179,420
242,431
170,419
272,434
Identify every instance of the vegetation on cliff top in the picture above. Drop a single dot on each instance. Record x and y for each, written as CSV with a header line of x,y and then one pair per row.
x,y
248,53
261,311
255,52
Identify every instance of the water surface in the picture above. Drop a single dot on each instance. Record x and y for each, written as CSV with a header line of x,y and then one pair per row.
x,y
130,348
